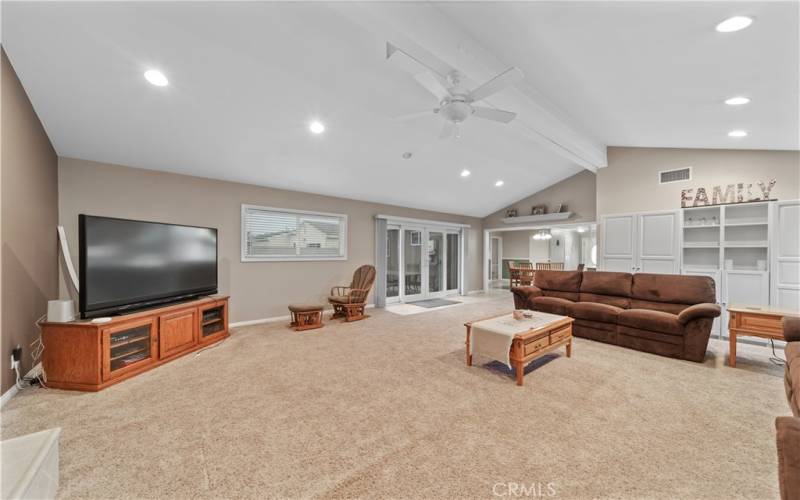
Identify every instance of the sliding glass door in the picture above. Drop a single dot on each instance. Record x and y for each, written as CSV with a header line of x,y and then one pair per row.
x,y
413,264
392,263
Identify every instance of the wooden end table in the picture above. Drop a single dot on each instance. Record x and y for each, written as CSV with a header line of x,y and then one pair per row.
x,y
754,321
530,344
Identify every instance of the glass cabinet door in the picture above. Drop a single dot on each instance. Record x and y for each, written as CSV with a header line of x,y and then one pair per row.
x,y
128,346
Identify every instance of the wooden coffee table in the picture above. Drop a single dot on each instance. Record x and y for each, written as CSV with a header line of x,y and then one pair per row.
x,y
531,343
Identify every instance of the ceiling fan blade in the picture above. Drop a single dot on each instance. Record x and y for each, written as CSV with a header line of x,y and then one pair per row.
x,y
433,83
422,57
497,115
418,114
505,79
447,130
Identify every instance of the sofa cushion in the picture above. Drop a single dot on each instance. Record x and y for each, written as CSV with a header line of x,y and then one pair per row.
x,y
654,321
571,296
658,306
562,281
552,305
594,311
787,439
607,283
792,379
672,288
611,300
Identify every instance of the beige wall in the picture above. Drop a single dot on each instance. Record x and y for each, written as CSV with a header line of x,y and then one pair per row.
x,y
516,244
258,289
29,214
630,182
577,192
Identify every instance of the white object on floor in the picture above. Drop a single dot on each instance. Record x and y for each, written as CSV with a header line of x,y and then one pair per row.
x,y
30,465
60,311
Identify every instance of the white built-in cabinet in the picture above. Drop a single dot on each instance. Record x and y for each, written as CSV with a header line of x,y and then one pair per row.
x,y
731,244
647,242
750,250
785,265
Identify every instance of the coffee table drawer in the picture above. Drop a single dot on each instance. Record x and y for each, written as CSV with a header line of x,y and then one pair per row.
x,y
536,345
559,335
758,322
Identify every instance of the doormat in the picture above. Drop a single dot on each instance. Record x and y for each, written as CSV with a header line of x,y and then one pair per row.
x,y
430,303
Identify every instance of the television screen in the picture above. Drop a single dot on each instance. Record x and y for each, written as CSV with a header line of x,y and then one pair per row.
x,y
128,264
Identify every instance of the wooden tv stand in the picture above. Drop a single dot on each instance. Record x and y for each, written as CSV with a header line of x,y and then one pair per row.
x,y
84,356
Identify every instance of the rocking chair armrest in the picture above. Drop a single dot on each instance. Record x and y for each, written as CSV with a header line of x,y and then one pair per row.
x,y
340,290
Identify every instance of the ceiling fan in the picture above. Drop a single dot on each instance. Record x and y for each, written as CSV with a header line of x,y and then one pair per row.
x,y
456,102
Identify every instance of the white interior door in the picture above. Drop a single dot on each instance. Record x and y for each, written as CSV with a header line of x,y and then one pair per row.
x,y
658,243
786,256
618,240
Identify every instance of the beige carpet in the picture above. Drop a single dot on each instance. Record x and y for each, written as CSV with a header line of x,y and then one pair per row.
x,y
386,408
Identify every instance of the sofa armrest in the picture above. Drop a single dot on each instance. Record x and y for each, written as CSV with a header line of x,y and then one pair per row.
x,y
696,311
787,439
791,328
523,295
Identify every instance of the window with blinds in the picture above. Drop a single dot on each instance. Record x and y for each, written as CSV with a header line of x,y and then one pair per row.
x,y
283,234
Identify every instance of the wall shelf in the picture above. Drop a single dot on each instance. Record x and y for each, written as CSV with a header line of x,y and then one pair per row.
x,y
528,219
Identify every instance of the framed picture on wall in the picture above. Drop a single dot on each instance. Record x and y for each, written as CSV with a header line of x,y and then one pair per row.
x,y
416,238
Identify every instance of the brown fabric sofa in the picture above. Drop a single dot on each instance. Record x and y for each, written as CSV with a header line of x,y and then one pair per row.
x,y
663,314
788,428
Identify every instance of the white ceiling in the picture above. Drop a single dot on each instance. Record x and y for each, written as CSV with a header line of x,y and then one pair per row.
x,y
246,78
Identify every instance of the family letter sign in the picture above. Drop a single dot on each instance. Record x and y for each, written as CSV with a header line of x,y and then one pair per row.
x,y
733,193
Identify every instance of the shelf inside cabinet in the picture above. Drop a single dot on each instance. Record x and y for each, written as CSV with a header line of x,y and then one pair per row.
x,y
130,352
700,244
121,343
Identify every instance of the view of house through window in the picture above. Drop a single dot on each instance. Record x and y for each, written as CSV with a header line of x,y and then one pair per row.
x,y
282,234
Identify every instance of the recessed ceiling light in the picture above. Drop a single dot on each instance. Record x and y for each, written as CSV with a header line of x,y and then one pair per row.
x,y
499,183
316,127
737,101
737,133
156,77
734,23
407,155
465,173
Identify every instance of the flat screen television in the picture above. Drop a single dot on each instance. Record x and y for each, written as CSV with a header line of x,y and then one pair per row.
x,y
127,265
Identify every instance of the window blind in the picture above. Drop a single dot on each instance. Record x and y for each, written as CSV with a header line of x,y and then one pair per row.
x,y
282,234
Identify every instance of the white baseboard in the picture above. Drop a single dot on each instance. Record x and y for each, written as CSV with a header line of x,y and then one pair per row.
x,y
275,319
8,395
33,372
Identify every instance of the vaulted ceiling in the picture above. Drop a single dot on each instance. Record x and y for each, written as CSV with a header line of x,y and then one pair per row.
x,y
246,78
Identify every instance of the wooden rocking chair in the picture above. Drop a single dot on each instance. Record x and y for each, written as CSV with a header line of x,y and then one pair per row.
x,y
349,301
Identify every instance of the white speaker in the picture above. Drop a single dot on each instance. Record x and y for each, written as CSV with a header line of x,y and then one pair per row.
x,y
60,311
